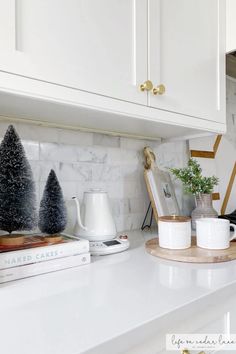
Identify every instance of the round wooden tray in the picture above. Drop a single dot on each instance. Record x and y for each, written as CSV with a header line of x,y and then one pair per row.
x,y
193,254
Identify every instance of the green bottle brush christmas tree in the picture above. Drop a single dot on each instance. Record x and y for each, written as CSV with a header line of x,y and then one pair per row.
x,y
18,199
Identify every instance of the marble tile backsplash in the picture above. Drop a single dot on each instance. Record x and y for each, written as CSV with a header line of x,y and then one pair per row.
x,y
89,160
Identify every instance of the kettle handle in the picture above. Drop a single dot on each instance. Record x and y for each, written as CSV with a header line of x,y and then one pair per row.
x,y
78,214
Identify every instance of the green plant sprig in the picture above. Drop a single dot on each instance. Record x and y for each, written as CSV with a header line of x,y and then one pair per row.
x,y
192,179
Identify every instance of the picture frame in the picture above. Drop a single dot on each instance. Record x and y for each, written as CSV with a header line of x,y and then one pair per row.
x,y
160,187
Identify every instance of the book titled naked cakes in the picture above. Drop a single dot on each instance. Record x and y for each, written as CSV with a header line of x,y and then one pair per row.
x,y
37,255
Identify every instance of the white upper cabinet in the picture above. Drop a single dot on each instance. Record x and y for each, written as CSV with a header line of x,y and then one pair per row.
x,y
93,55
187,56
230,26
94,46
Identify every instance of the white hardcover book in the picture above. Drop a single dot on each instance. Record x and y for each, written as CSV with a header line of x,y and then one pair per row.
x,y
53,265
45,252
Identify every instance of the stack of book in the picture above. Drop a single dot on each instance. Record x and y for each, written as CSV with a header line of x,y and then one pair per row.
x,y
38,256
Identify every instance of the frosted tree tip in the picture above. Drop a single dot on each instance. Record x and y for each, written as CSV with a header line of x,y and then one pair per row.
x,y
11,129
52,173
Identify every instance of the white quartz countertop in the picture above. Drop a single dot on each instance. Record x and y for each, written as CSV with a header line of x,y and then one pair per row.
x,y
76,310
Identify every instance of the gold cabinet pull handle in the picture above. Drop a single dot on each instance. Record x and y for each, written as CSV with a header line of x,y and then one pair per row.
x,y
160,90
186,351
146,86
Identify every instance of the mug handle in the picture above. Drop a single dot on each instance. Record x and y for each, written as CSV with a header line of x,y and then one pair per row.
x,y
234,234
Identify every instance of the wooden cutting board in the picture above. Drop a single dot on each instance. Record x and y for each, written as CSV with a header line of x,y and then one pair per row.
x,y
193,254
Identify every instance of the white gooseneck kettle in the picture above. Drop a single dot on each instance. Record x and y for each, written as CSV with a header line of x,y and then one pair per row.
x,y
95,222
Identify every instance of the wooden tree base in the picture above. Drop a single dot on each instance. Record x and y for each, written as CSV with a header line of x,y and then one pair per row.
x,y
53,238
12,240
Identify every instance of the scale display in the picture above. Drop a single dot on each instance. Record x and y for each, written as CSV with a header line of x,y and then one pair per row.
x,y
99,248
111,243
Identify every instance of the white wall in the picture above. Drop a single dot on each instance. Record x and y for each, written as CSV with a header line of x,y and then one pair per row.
x,y
225,158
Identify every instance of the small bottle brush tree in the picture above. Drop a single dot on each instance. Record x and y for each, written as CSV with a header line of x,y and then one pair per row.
x,y
192,179
52,212
17,189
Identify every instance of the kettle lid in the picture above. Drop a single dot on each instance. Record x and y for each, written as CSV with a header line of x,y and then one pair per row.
x,y
95,190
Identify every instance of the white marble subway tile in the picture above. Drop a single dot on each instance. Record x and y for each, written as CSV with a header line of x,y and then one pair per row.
x,y
31,149
68,153
92,154
28,131
106,140
80,189
153,144
131,172
45,167
179,193
132,188
138,144
115,189
232,108
132,144
106,173
122,190
121,222
57,152
73,137
69,189
124,206
35,170
231,127
128,222
37,132
115,156
137,220
37,193
47,134
122,156
115,206
228,88
137,205
88,160
231,91
170,155
120,206
75,172
49,152
41,187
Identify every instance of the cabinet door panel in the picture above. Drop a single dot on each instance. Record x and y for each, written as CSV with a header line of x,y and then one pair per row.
x,y
187,55
96,46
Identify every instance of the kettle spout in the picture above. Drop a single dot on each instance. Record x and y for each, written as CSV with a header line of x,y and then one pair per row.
x,y
78,214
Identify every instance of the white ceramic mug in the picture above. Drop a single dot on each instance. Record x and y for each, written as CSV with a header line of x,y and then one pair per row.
x,y
174,232
214,233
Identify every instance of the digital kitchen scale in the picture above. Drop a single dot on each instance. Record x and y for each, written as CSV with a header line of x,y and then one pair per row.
x,y
101,248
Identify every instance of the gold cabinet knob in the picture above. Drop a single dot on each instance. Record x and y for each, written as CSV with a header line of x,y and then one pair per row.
x,y
159,90
146,86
